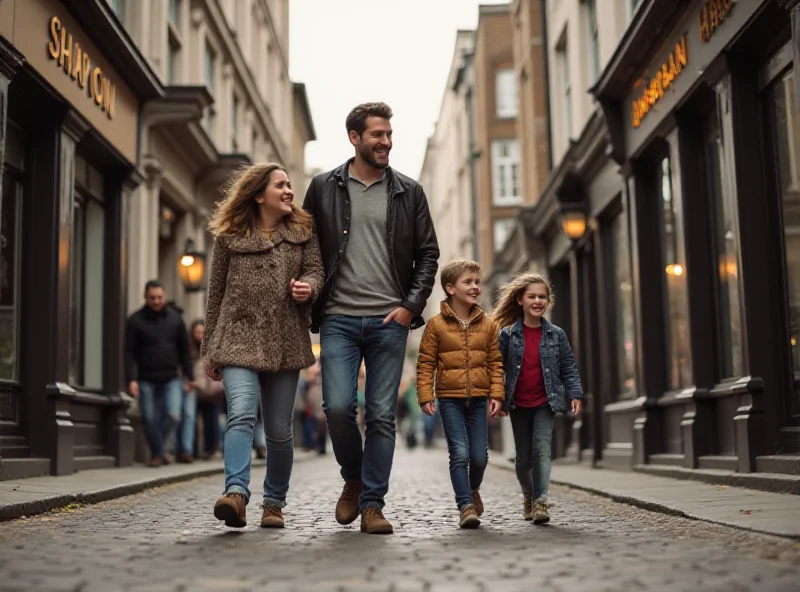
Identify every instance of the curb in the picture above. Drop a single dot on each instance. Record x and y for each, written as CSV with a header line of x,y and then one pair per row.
x,y
653,506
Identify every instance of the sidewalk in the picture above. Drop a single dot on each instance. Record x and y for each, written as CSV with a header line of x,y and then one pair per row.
x,y
38,495
759,511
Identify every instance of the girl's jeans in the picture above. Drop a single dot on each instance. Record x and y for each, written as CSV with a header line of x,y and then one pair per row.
x,y
533,434
465,427
277,400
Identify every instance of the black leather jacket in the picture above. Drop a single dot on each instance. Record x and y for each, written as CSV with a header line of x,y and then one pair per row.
x,y
413,249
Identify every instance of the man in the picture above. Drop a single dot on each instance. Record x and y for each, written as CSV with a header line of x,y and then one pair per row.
x,y
380,254
156,345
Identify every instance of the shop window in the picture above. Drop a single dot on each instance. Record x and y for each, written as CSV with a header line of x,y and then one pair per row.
x,y
679,354
729,315
787,139
625,322
87,279
505,173
10,243
506,94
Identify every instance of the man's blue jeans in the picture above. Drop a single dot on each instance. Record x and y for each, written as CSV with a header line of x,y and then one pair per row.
x,y
160,404
533,436
345,341
465,426
277,400
188,423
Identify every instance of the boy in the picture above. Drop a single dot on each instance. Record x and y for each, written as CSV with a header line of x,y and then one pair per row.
x,y
460,364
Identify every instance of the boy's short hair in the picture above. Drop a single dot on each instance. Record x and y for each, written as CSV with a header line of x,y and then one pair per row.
x,y
455,269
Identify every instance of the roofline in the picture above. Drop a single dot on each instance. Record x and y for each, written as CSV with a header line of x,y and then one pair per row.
x,y
301,96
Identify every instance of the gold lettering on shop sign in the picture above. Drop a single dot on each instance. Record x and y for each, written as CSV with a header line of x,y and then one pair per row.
x,y
77,64
663,79
712,15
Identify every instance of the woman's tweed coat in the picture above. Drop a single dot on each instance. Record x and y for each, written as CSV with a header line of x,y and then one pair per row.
x,y
251,319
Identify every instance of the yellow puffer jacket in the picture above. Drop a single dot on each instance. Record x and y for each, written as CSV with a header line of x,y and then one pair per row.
x,y
459,360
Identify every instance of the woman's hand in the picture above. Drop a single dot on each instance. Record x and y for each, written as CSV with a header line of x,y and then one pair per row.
x,y
301,291
213,372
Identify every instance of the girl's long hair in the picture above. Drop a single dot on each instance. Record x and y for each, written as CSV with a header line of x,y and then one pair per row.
x,y
194,346
237,213
508,310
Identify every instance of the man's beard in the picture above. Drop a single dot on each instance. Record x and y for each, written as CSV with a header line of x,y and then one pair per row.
x,y
366,156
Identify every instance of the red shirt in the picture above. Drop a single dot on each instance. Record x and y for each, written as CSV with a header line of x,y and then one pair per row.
x,y
530,390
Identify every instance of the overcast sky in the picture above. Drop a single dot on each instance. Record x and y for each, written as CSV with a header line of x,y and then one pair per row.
x,y
353,51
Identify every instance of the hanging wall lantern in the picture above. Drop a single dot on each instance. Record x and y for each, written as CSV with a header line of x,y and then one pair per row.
x,y
192,268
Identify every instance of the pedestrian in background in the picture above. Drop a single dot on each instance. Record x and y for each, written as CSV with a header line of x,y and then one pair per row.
x,y
156,349
540,372
265,272
460,367
210,395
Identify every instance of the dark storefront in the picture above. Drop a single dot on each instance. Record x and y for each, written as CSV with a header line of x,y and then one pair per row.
x,y
72,85
683,198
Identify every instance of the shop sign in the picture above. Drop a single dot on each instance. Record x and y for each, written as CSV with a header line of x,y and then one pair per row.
x,y
712,15
669,71
78,65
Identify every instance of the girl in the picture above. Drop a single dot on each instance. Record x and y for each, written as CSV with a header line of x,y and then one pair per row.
x,y
540,371
210,395
265,273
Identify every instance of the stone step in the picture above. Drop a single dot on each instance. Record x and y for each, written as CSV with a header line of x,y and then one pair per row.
x,y
788,464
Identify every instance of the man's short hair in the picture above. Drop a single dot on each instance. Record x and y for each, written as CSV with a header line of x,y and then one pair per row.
x,y
152,284
455,269
357,119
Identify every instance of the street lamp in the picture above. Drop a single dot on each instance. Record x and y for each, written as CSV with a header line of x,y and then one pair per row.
x,y
573,220
192,267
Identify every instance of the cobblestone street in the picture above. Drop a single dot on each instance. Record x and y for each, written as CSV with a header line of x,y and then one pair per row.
x,y
168,540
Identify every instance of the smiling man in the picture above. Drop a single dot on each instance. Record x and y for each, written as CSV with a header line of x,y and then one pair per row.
x,y
380,253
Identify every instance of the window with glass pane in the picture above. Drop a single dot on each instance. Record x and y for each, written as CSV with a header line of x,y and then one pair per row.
x,y
209,68
175,13
782,104
679,354
623,288
87,279
502,229
505,167
10,273
729,319
118,6
235,122
566,90
594,40
506,94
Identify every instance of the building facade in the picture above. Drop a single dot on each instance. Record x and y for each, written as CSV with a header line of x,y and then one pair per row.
x,y
679,198
73,88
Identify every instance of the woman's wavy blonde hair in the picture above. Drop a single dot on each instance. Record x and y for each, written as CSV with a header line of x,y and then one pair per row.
x,y
508,310
237,213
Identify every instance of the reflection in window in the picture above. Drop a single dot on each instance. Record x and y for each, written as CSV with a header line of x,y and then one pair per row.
x,y
679,354
623,287
9,275
788,145
729,317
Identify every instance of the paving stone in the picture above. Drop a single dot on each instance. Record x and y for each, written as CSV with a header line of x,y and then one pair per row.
x,y
166,539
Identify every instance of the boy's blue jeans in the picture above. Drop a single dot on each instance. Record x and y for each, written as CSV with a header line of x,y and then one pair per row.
x,y
277,398
533,435
346,340
465,423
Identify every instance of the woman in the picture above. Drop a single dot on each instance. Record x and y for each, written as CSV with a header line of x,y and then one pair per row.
x,y
210,394
265,273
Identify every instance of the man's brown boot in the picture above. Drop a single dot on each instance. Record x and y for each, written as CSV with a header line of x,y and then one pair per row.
x,y
469,518
476,499
272,517
527,510
347,506
373,522
231,508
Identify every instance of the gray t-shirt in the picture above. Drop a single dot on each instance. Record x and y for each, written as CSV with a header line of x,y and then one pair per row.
x,y
365,284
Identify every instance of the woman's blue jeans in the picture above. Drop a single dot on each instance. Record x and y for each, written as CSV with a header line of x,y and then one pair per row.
x,y
277,400
465,427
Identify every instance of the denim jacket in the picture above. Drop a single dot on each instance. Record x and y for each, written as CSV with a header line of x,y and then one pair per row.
x,y
558,364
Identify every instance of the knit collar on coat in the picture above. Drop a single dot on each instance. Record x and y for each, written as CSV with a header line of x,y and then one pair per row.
x,y
255,243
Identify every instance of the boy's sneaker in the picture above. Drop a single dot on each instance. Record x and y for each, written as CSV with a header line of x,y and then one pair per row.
x,y
469,518
232,508
272,517
373,522
527,507
476,499
540,515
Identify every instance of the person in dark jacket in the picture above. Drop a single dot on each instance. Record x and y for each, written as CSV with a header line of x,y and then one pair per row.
x,y
380,255
156,348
